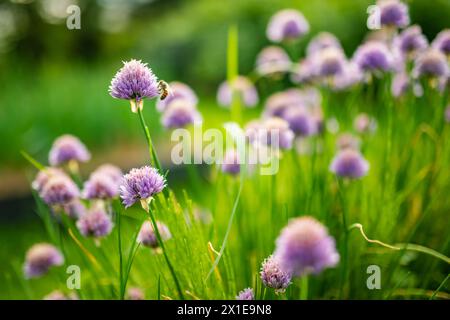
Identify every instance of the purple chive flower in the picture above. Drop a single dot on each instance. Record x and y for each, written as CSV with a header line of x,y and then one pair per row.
x,y
410,42
348,141
364,123
393,13
134,82
147,235
246,294
447,114
400,84
272,60
59,295
59,190
351,76
141,184
304,246
349,163
251,130
110,170
68,148
432,63
321,41
135,293
243,87
74,209
278,103
273,276
44,175
288,24
100,186
442,42
178,90
276,133
303,72
40,258
179,114
95,223
329,62
231,162
301,122
373,56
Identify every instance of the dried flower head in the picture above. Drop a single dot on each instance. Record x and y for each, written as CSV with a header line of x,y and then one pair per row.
x,y
287,24
135,81
243,87
349,163
246,294
304,246
147,235
95,223
141,184
68,148
40,258
273,276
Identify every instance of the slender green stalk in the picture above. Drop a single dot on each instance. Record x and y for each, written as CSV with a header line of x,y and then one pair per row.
x,y
345,248
119,243
440,287
233,70
166,257
154,161
304,288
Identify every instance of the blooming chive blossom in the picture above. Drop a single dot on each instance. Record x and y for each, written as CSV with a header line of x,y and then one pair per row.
x,y
288,24
276,133
273,276
40,258
301,121
442,42
246,294
364,123
303,72
393,13
349,163
100,186
400,84
321,41
59,190
147,235
74,209
178,90
230,163
95,223
134,82
141,184
410,42
43,176
277,104
329,62
432,63
304,246
373,56
68,148
243,87
272,60
180,113
110,170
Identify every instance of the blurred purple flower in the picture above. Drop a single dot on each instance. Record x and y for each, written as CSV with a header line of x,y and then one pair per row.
x,y
246,294
321,41
301,122
329,62
303,72
304,247
135,293
410,42
279,102
273,276
100,186
364,123
230,163
68,148
349,163
134,82
95,223
243,87
442,42
59,190
393,13
276,133
432,63
141,184
180,113
287,24
114,172
44,175
74,209
40,258
373,56
272,60
147,235
178,90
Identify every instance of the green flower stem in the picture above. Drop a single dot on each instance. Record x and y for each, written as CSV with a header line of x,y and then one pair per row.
x,y
304,288
163,248
153,156
345,248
